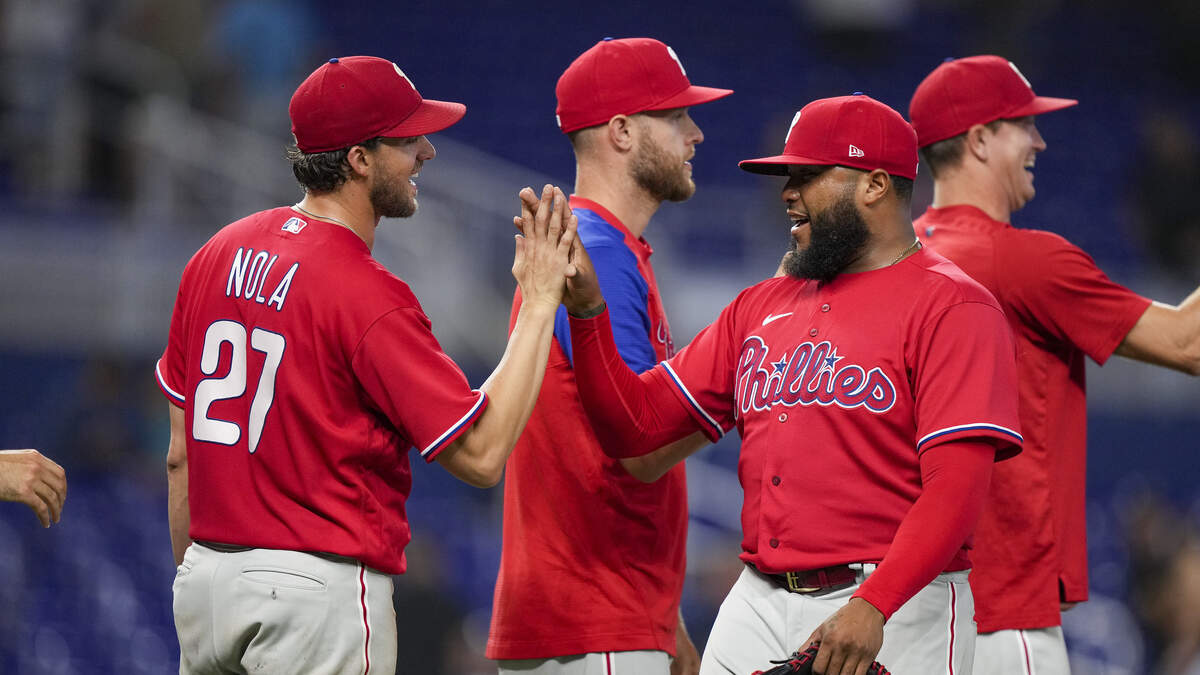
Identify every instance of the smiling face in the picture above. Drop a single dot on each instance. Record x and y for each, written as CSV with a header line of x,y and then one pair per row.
x,y
393,190
1013,148
661,163
828,232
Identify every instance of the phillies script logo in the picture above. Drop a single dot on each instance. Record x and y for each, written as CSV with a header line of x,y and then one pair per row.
x,y
810,374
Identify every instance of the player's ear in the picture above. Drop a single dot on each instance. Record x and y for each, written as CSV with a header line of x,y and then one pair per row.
x,y
360,160
874,186
976,140
622,130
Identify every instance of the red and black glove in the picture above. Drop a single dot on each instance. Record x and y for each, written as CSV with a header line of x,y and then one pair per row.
x,y
801,663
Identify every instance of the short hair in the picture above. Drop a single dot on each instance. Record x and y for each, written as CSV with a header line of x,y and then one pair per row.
x,y
320,172
903,187
581,139
806,173
948,153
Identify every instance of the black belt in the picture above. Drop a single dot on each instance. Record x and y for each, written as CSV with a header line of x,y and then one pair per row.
x,y
234,548
224,548
813,581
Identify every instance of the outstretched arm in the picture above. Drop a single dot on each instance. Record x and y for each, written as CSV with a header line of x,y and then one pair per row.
x,y
1167,336
33,479
540,265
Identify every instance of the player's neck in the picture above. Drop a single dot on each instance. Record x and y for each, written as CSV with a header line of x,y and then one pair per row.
x,y
618,193
961,189
887,247
338,208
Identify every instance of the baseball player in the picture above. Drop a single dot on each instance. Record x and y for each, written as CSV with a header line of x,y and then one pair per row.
x,y
300,372
624,105
873,387
975,123
29,477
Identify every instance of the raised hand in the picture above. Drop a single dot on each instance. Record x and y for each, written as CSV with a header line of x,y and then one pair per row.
x,y
547,231
28,477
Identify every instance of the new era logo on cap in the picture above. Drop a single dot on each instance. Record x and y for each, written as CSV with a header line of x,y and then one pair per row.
x,y
854,131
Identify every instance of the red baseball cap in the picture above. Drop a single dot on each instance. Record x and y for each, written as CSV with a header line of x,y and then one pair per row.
x,y
961,93
855,131
351,99
623,77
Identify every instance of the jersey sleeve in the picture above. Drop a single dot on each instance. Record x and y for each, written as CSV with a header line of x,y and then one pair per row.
x,y
964,378
626,293
404,371
631,414
170,371
1058,287
701,375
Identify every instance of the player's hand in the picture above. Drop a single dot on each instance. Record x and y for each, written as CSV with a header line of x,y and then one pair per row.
x,y
850,639
687,658
582,296
28,477
543,253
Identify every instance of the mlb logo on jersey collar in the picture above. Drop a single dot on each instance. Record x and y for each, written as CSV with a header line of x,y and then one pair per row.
x,y
294,225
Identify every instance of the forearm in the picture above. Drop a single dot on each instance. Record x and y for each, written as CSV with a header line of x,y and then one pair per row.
x,y
955,487
1167,335
480,453
629,414
650,467
1188,333
178,517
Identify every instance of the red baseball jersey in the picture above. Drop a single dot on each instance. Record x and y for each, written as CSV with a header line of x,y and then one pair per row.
x,y
1060,307
836,389
306,371
593,559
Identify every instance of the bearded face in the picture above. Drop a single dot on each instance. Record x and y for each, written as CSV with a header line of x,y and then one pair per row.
x,y
663,176
837,237
392,196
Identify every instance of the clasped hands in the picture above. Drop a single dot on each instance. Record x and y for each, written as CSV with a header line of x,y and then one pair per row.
x,y
551,265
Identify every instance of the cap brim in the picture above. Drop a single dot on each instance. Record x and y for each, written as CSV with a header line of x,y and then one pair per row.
x,y
778,165
693,95
429,117
1042,104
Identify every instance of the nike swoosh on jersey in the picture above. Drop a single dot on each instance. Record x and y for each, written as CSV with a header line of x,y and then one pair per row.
x,y
772,317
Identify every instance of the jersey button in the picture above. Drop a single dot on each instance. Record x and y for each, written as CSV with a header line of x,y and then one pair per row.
x,y
774,480
825,307
774,542
813,332
782,417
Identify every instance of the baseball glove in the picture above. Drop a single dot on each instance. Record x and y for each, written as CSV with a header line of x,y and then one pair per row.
x,y
801,663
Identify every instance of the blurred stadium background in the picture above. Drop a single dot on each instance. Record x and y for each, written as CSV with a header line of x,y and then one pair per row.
x,y
132,129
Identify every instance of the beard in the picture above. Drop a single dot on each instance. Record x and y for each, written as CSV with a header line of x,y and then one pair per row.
x,y
660,174
837,237
391,198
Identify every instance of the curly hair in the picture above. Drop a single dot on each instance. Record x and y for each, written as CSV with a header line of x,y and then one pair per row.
x,y
320,172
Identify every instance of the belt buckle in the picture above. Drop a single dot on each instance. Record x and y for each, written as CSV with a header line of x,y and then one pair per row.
x,y
793,583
